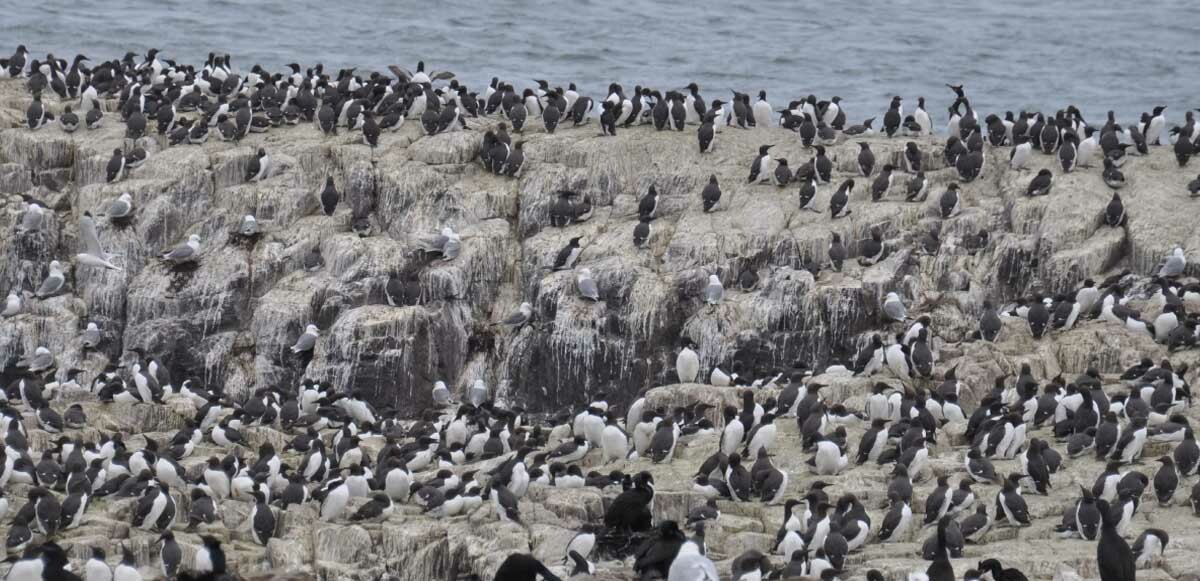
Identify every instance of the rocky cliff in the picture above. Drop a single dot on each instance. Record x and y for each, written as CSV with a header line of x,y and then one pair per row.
x,y
231,319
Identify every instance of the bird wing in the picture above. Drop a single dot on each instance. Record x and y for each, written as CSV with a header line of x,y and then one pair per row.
x,y
587,288
42,361
91,242
714,293
894,310
401,73
32,220
451,248
118,209
50,284
305,342
515,319
181,252
434,243
1173,266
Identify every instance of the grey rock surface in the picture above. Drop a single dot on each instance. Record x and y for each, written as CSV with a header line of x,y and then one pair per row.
x,y
231,319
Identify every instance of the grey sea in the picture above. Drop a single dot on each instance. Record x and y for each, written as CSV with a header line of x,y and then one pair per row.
x,y
1121,55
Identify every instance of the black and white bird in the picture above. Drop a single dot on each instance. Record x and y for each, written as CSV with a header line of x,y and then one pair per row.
x,y
648,205
1149,547
706,134
209,558
759,167
951,201
894,117
839,203
866,159
127,569
262,519
711,195
871,250
96,568
1021,152
1041,183
260,167
523,567
329,197
882,183
1114,213
568,255
837,252
170,554
68,121
782,175
37,115
333,496
116,166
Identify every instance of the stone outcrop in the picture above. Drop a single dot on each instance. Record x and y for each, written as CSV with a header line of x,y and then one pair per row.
x,y
231,320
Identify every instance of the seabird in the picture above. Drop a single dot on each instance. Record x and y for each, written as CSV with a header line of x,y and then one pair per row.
x,y
115,167
127,569
1150,546
1114,558
262,519
47,511
897,520
209,558
12,305
37,115
260,167
808,194
1041,183
941,569
19,535
758,168
53,283
1174,264
333,498
306,341
866,159
523,315
894,308
187,252
893,118
950,202
478,393
566,257
714,292
329,197
1166,480
249,226
882,183
170,554
41,360
839,203
96,568
837,252
523,567
871,250
687,363
863,128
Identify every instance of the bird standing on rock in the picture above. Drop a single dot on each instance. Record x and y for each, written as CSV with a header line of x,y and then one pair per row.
x,y
687,363
758,168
